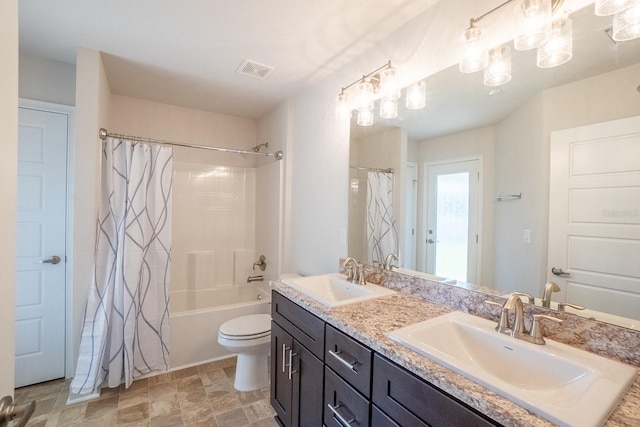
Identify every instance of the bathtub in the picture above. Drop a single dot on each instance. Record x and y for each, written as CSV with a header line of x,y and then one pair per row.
x,y
196,316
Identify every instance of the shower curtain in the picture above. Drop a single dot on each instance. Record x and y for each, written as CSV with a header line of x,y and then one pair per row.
x,y
382,237
125,331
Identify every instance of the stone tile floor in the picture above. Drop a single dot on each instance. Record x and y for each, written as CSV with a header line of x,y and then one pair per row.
x,y
197,396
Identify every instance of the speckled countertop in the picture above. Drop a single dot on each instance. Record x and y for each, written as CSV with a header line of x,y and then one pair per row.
x,y
371,321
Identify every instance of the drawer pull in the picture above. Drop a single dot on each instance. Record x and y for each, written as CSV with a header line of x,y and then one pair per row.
x,y
346,363
338,417
290,364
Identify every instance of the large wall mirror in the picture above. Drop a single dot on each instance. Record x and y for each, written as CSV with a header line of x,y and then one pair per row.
x,y
480,160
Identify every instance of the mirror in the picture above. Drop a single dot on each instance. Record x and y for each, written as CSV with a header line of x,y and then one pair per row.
x,y
508,130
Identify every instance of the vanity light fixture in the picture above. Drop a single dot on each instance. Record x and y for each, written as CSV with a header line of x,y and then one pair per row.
x,y
558,49
381,83
626,24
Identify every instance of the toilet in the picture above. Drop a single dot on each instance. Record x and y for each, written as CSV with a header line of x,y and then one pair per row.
x,y
250,338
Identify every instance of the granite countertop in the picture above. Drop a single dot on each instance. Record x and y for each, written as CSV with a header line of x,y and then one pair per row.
x,y
371,321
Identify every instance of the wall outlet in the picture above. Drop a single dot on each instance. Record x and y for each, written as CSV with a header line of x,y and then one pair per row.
x,y
527,236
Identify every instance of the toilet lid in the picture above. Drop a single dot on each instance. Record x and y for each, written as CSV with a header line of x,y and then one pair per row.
x,y
254,324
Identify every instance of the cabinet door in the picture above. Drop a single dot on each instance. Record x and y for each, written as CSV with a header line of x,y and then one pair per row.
x,y
281,345
307,381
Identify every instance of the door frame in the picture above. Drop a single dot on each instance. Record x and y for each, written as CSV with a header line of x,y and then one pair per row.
x,y
69,111
422,254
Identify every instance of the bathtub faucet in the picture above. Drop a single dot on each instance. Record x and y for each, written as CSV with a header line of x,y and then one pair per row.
x,y
262,263
255,279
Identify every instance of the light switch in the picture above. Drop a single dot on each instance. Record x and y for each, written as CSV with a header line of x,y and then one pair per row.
x,y
527,236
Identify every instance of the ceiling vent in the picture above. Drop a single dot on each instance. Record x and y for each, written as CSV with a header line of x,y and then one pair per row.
x,y
255,69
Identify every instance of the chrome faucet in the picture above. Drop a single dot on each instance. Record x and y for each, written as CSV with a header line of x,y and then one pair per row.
x,y
519,330
549,288
388,260
355,271
352,268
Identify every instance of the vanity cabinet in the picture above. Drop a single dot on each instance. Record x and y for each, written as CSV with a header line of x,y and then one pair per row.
x,y
297,348
322,376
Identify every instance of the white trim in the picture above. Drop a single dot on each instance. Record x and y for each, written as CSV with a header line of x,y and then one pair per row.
x,y
69,111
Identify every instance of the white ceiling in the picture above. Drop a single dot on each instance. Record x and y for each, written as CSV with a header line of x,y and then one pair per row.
x,y
186,53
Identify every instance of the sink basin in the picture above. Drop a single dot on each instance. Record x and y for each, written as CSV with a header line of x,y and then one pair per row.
x,y
334,290
565,385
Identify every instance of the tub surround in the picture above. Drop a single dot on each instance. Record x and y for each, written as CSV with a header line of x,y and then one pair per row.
x,y
420,299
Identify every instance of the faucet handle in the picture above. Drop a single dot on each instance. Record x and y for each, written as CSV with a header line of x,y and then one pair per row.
x,y
532,300
503,326
562,305
361,278
536,329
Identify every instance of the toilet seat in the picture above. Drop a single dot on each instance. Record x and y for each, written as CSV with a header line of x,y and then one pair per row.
x,y
254,326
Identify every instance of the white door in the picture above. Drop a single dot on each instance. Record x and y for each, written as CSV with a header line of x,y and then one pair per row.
x,y
40,251
594,216
408,259
452,219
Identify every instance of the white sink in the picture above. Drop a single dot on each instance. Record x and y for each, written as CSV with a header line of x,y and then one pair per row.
x,y
565,385
334,290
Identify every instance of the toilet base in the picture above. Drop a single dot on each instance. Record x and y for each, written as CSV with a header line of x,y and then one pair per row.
x,y
252,372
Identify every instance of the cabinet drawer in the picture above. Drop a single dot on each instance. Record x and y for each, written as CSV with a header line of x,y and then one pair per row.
x,y
346,402
302,325
350,359
410,401
380,419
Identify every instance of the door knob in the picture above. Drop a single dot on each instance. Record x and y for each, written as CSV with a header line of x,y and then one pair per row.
x,y
431,241
559,272
53,260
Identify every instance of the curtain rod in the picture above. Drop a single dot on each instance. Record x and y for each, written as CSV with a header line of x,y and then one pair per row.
x,y
104,134
362,168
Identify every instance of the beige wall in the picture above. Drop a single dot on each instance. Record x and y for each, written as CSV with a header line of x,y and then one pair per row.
x,y
92,113
46,80
8,183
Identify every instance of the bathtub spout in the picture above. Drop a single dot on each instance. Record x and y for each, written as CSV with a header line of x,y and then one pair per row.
x,y
255,279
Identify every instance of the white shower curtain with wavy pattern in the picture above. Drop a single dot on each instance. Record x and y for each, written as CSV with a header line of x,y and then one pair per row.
x,y
382,237
125,331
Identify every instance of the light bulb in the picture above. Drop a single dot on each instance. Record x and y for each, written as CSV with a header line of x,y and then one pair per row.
x,y
388,108
559,48
389,86
365,96
343,112
534,22
365,118
610,7
475,56
416,95
498,72
626,24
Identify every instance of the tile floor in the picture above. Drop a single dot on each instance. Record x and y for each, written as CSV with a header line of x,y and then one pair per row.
x,y
197,396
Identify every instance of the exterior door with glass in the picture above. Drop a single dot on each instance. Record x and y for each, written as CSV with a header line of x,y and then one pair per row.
x,y
452,219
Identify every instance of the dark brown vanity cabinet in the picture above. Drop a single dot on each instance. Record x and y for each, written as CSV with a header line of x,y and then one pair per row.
x,y
297,346
406,400
322,376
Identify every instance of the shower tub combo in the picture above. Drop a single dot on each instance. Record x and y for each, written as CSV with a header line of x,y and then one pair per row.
x,y
196,316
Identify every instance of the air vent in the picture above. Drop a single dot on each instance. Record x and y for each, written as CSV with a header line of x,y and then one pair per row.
x,y
255,69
